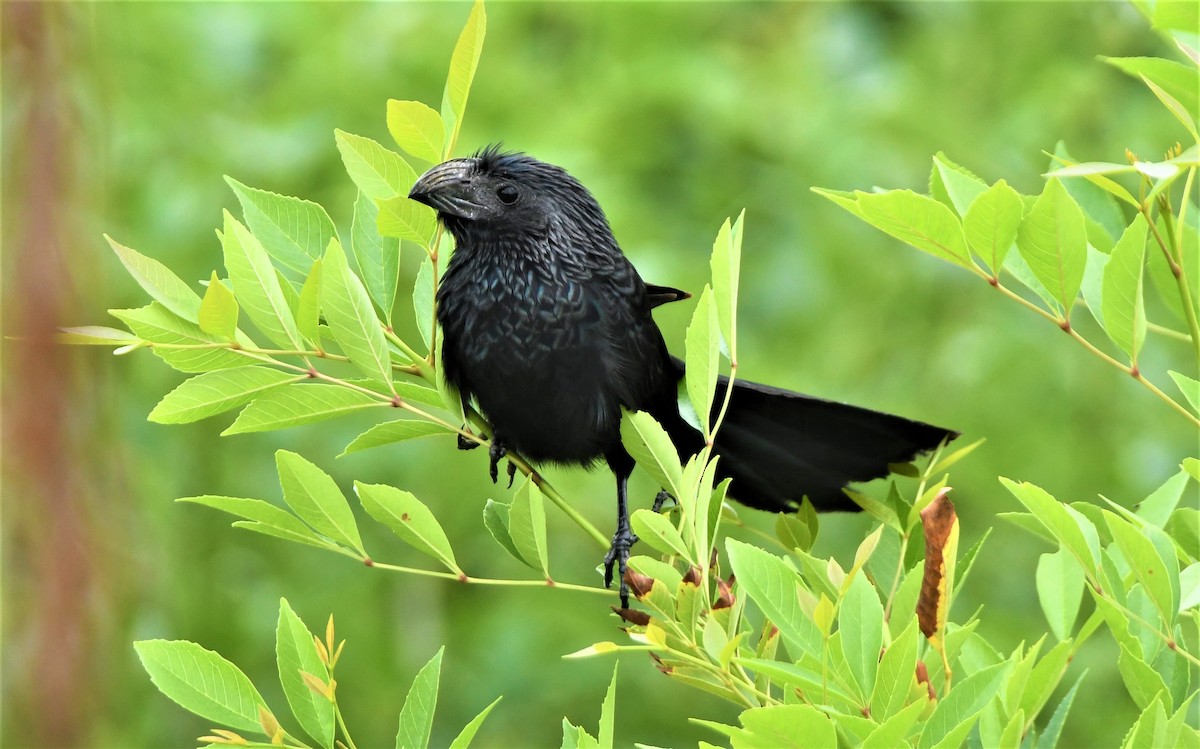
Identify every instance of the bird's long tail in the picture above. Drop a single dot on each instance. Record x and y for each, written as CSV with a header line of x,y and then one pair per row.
x,y
779,446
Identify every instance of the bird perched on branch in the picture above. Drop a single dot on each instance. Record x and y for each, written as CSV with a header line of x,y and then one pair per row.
x,y
547,326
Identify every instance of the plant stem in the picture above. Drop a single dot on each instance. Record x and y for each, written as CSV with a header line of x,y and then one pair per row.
x,y
1175,254
337,710
541,583
421,365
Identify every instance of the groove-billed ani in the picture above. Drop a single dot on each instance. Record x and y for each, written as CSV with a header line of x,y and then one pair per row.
x,y
547,326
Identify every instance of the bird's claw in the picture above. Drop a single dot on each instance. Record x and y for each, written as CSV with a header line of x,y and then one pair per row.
x,y
618,555
512,472
495,453
467,444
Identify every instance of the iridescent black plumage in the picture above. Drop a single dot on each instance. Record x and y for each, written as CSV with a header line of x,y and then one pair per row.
x,y
547,326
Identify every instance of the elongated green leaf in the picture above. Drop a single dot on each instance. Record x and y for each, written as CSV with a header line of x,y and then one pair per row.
x,y
1053,242
157,324
409,519
653,450
394,431
1050,736
411,392
1093,283
378,257
417,129
264,513
860,620
527,524
315,497
422,297
656,530
215,392
958,184
1123,307
962,704
202,682
308,306
1060,591
787,726
896,675
725,264
917,220
379,172
1148,565
703,339
257,286
159,281
991,222
406,219
770,583
296,653
416,717
95,335
294,232
463,63
891,732
352,318
1189,387
1175,78
1070,528
218,310
495,519
607,708
1099,205
1186,118
1142,681
300,404
467,734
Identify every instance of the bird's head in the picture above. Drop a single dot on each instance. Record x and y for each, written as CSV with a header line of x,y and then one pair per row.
x,y
507,193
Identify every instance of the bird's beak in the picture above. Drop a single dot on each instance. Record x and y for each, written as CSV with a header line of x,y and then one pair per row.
x,y
447,189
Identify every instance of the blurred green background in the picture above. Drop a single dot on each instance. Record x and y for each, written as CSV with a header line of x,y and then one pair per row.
x,y
122,118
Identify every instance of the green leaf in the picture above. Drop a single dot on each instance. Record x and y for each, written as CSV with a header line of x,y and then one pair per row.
x,y
463,63
408,519
1092,286
95,335
422,298
653,450
1160,273
770,582
1142,681
657,531
157,324
300,404
379,173
959,184
315,497
263,515
1175,78
1149,729
1070,528
1050,736
917,220
257,285
215,392
962,704
378,257
1174,107
394,431
1098,204
725,264
1052,241
991,224
896,675
158,281
575,737
308,306
352,318
406,219
793,532
1189,387
202,682
416,717
1148,565
495,519
1122,304
296,653
860,620
411,392
786,726
416,128
467,734
608,707
892,732
702,347
527,524
218,310
293,231
1060,591
1016,266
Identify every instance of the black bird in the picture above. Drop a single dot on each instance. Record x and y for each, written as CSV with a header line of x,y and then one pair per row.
x,y
547,327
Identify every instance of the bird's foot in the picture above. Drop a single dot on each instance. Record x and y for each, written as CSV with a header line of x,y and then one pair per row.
x,y
512,472
466,444
495,453
618,555
659,500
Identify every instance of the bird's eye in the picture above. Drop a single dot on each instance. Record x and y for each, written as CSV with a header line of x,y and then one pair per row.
x,y
507,194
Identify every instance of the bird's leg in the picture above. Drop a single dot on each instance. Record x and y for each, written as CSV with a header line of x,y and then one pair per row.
x,y
495,453
622,541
